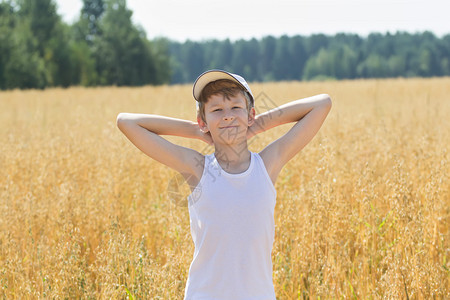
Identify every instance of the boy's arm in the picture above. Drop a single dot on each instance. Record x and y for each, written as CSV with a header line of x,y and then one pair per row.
x,y
143,131
309,113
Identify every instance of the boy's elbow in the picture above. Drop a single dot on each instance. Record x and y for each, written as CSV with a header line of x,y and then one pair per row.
x,y
122,119
327,101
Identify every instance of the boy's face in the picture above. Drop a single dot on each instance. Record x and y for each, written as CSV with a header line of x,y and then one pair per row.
x,y
227,119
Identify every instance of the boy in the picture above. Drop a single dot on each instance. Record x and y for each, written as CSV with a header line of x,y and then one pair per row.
x,y
233,196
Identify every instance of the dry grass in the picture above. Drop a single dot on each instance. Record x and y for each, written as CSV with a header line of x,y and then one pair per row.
x,y
362,212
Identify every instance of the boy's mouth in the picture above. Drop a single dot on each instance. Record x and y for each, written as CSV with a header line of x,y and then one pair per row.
x,y
231,126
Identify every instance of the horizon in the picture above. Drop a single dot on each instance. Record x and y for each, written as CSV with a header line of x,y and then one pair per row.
x,y
302,35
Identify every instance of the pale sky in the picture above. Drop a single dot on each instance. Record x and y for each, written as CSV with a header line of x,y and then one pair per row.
x,y
235,19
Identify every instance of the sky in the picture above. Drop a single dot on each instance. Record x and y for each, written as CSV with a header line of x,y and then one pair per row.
x,y
239,19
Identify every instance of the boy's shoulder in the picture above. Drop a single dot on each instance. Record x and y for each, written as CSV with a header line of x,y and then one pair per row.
x,y
270,162
197,162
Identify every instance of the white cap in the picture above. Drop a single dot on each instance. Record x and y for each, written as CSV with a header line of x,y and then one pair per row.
x,y
213,75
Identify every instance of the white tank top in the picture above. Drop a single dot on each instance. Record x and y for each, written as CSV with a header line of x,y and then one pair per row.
x,y
232,226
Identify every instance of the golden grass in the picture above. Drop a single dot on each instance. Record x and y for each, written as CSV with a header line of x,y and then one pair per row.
x,y
362,212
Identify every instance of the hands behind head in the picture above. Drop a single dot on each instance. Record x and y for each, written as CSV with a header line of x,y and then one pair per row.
x,y
206,137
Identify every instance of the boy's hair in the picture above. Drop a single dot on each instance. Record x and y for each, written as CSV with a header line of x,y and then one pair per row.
x,y
224,87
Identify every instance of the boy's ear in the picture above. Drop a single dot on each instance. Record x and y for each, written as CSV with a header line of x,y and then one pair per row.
x,y
202,124
251,116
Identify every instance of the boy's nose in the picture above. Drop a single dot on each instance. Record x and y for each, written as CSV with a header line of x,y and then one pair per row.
x,y
228,115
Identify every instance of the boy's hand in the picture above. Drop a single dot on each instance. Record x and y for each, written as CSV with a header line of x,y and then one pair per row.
x,y
255,128
250,133
206,137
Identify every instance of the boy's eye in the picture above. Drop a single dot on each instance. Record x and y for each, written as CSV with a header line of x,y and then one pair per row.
x,y
217,109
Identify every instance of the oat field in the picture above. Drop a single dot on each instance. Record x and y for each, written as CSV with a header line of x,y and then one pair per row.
x,y
362,212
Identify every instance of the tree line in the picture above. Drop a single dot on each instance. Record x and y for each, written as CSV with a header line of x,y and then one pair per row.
x,y
104,47
316,57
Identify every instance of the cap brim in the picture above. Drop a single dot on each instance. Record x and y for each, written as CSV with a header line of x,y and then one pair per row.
x,y
210,76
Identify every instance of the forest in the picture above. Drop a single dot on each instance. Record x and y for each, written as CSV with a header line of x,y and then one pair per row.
x,y
104,47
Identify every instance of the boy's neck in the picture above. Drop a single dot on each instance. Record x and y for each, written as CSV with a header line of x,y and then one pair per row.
x,y
233,159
